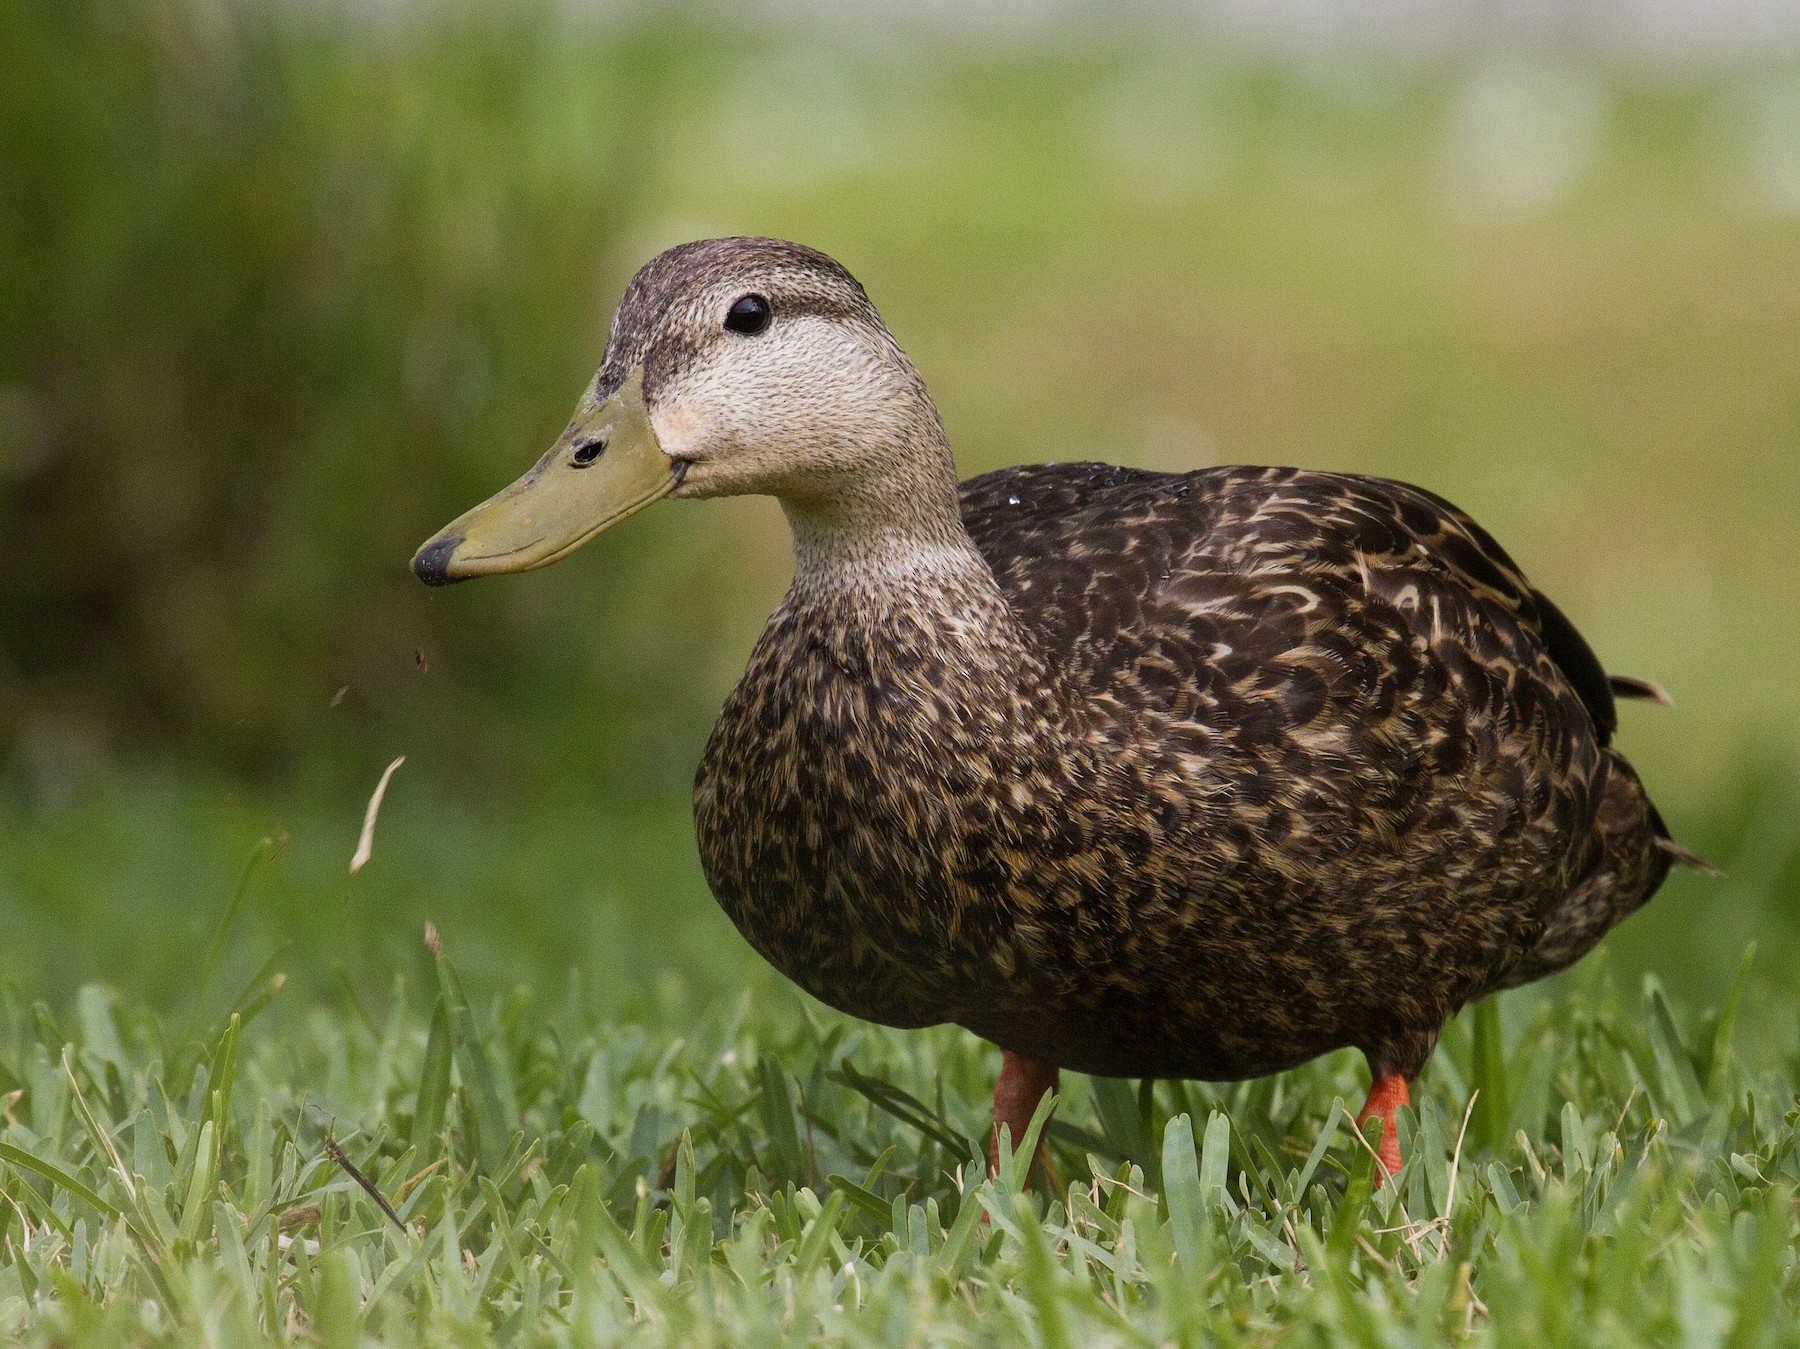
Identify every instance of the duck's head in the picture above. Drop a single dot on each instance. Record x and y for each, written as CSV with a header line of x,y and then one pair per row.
x,y
734,366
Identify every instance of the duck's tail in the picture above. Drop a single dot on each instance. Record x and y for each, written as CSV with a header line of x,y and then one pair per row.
x,y
1624,686
1645,690
1687,857
1634,855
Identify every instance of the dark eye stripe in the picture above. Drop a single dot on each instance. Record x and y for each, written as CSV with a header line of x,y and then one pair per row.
x,y
749,315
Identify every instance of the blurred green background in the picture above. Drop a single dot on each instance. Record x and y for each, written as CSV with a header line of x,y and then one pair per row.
x,y
284,288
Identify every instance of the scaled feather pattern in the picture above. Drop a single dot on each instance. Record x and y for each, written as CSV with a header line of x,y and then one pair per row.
x,y
1233,768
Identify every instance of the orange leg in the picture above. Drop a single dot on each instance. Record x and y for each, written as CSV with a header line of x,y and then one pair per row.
x,y
1386,1096
1023,1083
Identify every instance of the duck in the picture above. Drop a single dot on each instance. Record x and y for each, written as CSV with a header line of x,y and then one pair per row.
x,y
1136,774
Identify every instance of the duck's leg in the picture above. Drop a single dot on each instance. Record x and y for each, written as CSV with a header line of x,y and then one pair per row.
x,y
1023,1083
1387,1093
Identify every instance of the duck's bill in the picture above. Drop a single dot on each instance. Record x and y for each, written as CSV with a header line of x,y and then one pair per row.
x,y
607,465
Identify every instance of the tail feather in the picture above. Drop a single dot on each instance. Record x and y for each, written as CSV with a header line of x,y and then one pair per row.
x,y
1624,686
1687,857
1660,840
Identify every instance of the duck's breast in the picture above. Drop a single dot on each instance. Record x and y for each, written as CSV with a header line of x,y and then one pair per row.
x,y
845,810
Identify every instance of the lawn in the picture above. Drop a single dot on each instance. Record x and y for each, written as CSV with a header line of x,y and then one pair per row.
x,y
427,1167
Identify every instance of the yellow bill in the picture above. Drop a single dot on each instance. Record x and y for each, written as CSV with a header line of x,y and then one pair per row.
x,y
605,466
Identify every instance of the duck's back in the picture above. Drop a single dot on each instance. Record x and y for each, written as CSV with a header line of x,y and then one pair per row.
x,y
1119,570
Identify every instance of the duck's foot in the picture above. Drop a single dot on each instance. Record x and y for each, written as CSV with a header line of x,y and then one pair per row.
x,y
1023,1083
1386,1096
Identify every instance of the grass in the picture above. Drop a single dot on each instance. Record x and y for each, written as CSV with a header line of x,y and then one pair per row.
x,y
1599,1170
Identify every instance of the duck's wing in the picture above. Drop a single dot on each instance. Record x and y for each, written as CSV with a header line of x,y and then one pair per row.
x,y
1453,540
1102,560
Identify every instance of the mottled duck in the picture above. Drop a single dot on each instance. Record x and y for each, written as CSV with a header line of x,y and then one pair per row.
x,y
1138,774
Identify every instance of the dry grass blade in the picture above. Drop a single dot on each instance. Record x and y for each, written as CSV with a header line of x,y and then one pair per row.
x,y
366,843
407,1185
99,1130
351,1169
1456,1154
305,1215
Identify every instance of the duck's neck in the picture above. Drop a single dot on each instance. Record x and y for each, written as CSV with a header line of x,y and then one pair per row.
x,y
892,529
890,586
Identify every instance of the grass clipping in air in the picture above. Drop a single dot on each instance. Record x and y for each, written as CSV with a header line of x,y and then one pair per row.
x,y
365,844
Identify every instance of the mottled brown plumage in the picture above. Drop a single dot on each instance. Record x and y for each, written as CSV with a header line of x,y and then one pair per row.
x,y
1221,771
1146,774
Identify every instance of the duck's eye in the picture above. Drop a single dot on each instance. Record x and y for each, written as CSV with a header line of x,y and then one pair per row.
x,y
749,315
588,451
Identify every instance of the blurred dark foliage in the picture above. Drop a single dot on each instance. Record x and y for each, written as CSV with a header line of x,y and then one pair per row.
x,y
284,288
281,295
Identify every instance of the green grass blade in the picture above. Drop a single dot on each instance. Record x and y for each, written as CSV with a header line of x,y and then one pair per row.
x,y
493,1121
434,1083
1718,1049
1347,1222
789,1158
1491,1124
1681,1089
1327,1132
256,989
817,1238
1215,1157
906,1108
960,1239
196,1209
260,854
1183,1194
25,1161
1761,1285
221,1073
1121,1121
1040,1282
867,1201
1026,1152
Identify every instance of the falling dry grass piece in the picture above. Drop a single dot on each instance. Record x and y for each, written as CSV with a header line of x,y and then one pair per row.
x,y
338,697
367,841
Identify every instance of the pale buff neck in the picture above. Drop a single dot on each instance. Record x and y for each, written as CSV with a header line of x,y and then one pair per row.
x,y
892,530
891,561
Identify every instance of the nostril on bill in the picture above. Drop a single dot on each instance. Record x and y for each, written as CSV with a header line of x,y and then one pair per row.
x,y
587,452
